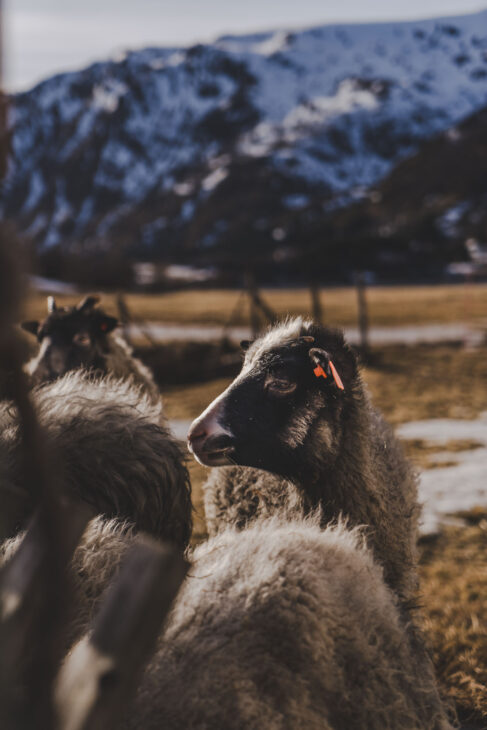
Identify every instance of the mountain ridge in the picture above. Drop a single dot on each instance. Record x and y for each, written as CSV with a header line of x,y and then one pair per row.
x,y
137,153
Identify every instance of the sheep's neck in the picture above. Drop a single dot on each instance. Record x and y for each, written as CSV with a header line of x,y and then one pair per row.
x,y
350,486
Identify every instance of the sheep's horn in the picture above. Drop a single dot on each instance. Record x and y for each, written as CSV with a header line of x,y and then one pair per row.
x,y
51,305
88,302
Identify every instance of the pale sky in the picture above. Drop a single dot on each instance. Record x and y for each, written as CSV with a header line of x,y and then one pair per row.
x,y
43,37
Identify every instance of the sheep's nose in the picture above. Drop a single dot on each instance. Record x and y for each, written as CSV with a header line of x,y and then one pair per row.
x,y
209,442
196,434
57,361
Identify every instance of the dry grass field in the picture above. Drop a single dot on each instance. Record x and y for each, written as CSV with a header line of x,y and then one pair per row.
x,y
407,383
411,383
388,306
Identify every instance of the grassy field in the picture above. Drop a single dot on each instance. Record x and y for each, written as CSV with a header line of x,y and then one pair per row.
x,y
388,306
454,595
410,383
407,383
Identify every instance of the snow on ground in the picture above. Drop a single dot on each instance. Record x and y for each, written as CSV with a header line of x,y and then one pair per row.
x,y
446,490
51,286
412,334
180,428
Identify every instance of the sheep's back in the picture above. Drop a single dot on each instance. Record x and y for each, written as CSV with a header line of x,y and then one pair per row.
x,y
285,626
110,449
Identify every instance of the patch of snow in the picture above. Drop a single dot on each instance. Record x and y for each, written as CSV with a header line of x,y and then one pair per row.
x,y
107,96
447,223
214,179
176,59
157,64
183,189
180,428
450,489
272,44
320,109
188,273
52,286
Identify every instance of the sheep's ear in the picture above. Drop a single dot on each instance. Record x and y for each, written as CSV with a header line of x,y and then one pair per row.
x,y
245,344
324,367
51,305
107,324
88,303
31,326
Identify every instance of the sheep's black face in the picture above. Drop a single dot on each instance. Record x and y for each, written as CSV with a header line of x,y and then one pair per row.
x,y
286,402
70,338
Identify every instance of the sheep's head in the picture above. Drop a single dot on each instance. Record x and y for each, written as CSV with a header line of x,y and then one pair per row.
x,y
287,405
70,338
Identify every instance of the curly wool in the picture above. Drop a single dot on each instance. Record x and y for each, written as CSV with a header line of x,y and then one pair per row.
x,y
259,637
121,363
111,451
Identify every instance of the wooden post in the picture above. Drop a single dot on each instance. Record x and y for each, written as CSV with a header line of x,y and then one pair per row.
x,y
316,307
251,287
34,605
124,316
363,317
100,676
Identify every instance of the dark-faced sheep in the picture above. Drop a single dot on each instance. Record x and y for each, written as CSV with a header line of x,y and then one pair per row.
x,y
299,409
259,638
112,452
83,337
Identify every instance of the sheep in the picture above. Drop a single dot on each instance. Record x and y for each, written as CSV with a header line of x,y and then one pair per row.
x,y
83,337
259,638
114,454
299,409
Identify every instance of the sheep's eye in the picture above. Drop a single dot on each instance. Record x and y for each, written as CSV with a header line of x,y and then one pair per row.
x,y
81,338
279,386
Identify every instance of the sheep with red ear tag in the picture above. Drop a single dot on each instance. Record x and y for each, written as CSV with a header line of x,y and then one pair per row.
x,y
298,420
296,431
83,337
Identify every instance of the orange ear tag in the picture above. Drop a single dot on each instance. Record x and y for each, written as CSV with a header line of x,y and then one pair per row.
x,y
336,377
319,372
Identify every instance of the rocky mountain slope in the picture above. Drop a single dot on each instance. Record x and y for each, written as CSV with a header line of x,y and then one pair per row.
x,y
249,141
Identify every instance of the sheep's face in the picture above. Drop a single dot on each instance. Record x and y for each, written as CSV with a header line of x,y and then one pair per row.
x,y
286,404
70,338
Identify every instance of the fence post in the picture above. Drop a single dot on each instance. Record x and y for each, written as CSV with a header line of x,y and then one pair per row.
x,y
316,306
363,315
100,676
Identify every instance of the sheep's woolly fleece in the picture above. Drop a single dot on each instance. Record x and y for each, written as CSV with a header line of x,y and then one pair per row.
x,y
120,361
111,451
286,625
283,625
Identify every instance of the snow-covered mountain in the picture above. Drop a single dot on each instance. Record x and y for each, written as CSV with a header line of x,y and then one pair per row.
x,y
177,148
